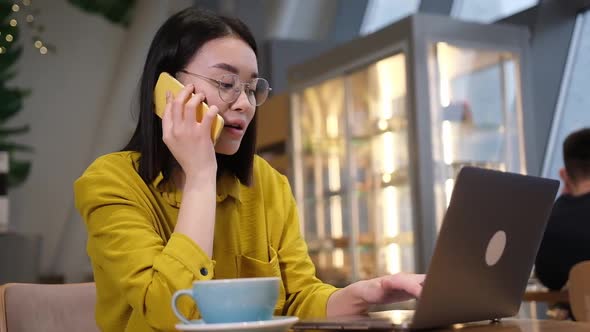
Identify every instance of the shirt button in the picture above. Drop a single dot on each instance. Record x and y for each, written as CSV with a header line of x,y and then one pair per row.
x,y
204,271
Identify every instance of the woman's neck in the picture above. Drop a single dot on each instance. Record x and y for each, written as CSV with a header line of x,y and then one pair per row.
x,y
178,178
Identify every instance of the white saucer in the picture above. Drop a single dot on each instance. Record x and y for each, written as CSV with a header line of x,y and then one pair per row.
x,y
276,324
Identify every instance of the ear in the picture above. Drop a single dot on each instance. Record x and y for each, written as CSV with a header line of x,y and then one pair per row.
x,y
567,185
563,174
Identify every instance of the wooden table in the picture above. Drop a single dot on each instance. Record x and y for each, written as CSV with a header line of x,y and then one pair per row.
x,y
523,325
512,325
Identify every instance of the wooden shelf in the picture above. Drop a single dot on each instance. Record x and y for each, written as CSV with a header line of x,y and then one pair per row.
x,y
546,296
273,121
365,240
273,132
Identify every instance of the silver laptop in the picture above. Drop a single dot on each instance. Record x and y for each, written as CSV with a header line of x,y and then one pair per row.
x,y
483,258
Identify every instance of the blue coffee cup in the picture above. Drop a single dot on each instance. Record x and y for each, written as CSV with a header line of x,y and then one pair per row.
x,y
232,300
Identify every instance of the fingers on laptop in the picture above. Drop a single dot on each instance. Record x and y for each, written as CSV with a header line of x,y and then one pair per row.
x,y
410,283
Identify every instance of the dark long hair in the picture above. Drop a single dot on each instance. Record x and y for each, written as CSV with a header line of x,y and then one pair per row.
x,y
173,46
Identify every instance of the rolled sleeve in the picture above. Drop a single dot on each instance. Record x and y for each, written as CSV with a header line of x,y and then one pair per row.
x,y
307,296
188,254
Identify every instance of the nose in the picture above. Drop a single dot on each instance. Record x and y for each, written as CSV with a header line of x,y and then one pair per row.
x,y
242,103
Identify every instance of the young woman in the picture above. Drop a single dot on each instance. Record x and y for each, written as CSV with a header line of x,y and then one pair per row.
x,y
173,208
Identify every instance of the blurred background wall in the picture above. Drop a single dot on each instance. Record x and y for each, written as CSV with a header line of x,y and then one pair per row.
x,y
81,102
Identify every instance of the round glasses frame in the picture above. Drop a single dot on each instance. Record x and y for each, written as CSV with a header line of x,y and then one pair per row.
x,y
251,95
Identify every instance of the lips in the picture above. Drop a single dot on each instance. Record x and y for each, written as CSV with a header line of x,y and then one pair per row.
x,y
235,124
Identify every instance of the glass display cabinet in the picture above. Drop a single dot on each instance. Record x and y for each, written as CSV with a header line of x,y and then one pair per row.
x,y
382,124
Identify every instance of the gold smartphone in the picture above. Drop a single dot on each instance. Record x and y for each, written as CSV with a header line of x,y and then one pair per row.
x,y
168,83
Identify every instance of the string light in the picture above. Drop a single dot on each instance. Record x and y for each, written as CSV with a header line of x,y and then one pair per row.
x,y
24,12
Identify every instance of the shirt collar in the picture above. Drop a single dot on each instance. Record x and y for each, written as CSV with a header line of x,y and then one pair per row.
x,y
227,185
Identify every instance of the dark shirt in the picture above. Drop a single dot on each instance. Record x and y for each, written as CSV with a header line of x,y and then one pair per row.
x,y
566,241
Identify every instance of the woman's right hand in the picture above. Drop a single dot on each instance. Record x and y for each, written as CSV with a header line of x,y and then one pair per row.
x,y
190,143
188,140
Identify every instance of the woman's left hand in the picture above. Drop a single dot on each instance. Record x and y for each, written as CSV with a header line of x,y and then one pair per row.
x,y
390,288
356,298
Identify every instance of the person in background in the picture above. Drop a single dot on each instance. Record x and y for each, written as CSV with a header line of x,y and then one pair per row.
x,y
172,208
567,238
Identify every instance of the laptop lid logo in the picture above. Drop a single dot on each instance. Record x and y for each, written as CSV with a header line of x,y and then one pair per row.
x,y
495,248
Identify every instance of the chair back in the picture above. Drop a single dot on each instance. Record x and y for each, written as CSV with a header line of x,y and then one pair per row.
x,y
579,291
37,307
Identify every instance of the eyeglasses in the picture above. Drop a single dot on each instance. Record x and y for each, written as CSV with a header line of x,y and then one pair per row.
x,y
230,88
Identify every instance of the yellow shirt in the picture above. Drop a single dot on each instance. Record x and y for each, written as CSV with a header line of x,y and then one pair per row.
x,y
139,262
